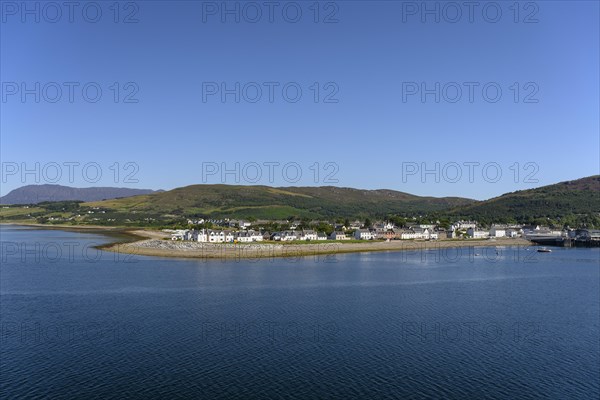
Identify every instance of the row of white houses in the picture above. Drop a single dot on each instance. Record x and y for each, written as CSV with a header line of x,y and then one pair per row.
x,y
418,232
304,234
499,231
217,236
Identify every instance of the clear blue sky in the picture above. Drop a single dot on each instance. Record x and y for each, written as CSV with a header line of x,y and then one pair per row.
x,y
370,56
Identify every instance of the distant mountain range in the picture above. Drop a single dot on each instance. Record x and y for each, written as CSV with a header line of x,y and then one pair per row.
x,y
33,194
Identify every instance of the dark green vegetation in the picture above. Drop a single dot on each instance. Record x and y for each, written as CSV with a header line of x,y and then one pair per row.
x,y
268,203
568,203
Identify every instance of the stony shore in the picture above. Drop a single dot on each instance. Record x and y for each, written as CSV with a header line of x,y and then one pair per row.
x,y
154,244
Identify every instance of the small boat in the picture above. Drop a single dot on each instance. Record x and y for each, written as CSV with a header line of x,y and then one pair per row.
x,y
544,250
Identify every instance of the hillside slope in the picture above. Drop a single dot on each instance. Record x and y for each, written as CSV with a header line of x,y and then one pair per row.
x,y
581,196
275,203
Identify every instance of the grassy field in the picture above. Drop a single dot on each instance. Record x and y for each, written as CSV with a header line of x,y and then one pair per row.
x,y
19,212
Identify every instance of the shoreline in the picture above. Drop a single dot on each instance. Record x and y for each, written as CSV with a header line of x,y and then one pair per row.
x,y
113,231
138,241
258,250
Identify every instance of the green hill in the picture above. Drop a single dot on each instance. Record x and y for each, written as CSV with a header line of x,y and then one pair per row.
x,y
565,199
264,202
573,203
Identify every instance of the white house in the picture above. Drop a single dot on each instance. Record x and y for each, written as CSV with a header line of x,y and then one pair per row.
x,y
363,234
420,233
462,225
477,234
202,236
512,233
406,234
244,237
216,236
383,226
308,234
321,236
220,236
497,231
337,235
287,236
249,236
256,236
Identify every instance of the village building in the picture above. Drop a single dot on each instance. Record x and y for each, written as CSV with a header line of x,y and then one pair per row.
x,y
477,233
513,232
276,236
420,233
405,234
338,235
287,236
363,234
309,234
465,225
497,231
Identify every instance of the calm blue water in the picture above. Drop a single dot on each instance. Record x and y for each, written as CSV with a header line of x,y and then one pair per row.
x,y
78,323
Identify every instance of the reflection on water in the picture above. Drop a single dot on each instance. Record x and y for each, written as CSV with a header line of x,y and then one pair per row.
x,y
511,325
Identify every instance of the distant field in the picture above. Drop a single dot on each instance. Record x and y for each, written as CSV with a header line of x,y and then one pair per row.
x,y
14,212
